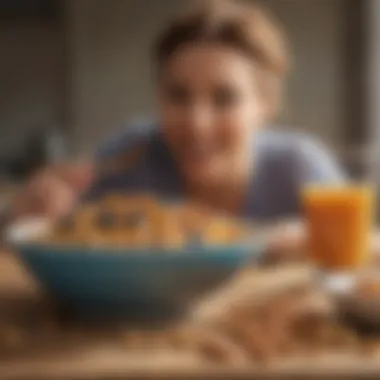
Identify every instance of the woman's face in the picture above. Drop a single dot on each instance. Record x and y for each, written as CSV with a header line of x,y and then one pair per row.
x,y
209,107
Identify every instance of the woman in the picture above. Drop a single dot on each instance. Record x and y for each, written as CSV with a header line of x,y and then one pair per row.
x,y
220,71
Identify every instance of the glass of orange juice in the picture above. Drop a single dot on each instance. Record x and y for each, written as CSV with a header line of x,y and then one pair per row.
x,y
339,224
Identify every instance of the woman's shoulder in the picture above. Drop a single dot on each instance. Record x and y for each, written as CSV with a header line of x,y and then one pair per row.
x,y
135,148
291,151
134,160
275,141
284,146
127,138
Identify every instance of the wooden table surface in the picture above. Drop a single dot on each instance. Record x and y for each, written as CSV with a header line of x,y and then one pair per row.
x,y
106,357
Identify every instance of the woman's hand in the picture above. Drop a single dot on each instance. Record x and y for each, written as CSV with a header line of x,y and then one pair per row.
x,y
52,192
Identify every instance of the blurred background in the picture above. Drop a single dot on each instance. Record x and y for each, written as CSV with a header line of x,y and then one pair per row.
x,y
78,69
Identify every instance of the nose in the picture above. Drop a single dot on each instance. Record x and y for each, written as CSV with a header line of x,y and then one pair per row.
x,y
200,120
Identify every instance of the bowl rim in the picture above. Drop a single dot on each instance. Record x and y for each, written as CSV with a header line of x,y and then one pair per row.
x,y
253,246
102,250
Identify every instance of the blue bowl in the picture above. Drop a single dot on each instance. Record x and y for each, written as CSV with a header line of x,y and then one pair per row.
x,y
99,282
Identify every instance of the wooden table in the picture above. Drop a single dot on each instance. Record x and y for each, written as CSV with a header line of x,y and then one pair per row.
x,y
107,358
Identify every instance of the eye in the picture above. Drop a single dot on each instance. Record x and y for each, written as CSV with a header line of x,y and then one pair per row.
x,y
178,94
225,97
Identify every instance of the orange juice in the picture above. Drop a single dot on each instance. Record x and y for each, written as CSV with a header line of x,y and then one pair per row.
x,y
339,222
